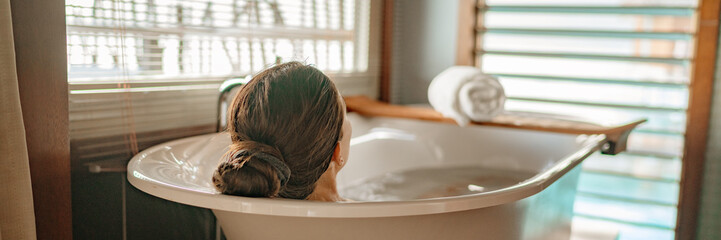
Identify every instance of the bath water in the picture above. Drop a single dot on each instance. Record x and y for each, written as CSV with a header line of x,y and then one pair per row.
x,y
432,183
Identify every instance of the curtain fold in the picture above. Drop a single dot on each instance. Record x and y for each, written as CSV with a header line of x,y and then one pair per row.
x,y
17,218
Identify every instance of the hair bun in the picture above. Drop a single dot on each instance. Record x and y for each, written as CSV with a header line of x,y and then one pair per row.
x,y
262,152
252,169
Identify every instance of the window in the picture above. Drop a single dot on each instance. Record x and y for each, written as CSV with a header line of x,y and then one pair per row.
x,y
597,58
146,71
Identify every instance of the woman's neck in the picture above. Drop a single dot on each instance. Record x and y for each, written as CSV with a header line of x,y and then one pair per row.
x,y
325,188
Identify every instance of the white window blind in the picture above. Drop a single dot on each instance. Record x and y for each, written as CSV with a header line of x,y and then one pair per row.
x,y
146,71
596,58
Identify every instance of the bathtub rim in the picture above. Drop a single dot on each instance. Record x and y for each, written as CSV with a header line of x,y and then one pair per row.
x,y
303,208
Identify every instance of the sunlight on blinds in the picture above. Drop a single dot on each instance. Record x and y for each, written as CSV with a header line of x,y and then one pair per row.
x,y
146,71
220,38
597,58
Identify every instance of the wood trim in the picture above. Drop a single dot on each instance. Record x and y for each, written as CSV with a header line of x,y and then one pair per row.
x,y
697,118
386,51
40,49
518,120
466,42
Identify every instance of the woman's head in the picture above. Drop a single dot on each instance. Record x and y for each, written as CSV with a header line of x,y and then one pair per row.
x,y
285,125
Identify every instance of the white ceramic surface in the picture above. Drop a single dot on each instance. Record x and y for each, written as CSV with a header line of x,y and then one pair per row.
x,y
538,208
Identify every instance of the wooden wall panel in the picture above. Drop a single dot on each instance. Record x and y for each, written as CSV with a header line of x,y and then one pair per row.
x,y
386,51
39,33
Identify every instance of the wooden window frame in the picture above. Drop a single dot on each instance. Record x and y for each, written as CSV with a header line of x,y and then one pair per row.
x,y
384,93
466,46
697,118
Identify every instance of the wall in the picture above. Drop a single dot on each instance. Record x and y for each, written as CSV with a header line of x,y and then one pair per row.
x,y
709,223
424,44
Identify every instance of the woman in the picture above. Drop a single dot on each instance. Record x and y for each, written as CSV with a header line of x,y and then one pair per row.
x,y
290,137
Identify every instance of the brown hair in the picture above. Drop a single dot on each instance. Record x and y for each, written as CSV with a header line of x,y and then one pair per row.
x,y
288,117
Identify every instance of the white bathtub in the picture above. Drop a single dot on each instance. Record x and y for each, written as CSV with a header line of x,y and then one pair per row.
x,y
537,208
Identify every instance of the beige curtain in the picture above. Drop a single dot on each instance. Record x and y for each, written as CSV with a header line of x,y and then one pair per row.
x,y
17,217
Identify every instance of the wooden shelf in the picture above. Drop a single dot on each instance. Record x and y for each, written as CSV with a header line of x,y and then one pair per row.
x,y
616,131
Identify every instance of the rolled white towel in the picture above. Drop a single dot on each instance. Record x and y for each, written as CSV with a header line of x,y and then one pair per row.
x,y
465,94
